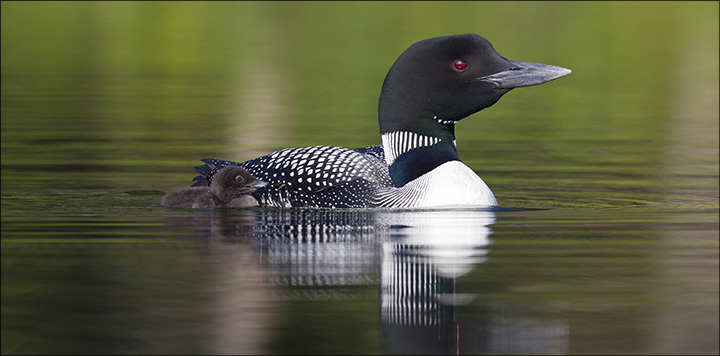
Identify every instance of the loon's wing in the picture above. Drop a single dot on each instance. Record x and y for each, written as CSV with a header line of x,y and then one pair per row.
x,y
318,176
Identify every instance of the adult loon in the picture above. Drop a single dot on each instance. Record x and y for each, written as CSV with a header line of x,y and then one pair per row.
x,y
432,85
230,188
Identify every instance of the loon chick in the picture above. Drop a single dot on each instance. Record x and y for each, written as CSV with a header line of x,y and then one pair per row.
x,y
230,188
432,85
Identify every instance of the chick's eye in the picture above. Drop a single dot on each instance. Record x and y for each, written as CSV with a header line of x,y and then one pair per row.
x,y
239,179
460,66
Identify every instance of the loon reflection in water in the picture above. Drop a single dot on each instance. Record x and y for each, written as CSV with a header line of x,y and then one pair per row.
x,y
416,257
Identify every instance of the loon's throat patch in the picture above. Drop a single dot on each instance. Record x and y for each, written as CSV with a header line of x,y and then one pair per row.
x,y
398,142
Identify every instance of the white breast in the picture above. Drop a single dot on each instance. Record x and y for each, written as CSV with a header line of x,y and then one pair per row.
x,y
450,184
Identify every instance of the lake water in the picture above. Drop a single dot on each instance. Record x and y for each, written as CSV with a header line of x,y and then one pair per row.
x,y
605,242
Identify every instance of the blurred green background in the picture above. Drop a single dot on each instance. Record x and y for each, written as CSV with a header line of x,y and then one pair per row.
x,y
143,90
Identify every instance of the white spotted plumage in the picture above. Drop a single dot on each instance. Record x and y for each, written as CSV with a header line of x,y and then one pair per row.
x,y
353,179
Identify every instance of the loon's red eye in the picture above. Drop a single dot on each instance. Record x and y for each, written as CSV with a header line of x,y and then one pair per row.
x,y
460,66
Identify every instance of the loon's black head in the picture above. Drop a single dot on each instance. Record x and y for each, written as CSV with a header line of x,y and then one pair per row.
x,y
434,84
232,182
444,79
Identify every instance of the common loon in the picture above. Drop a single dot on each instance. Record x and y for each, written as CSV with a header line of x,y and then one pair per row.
x,y
230,188
432,85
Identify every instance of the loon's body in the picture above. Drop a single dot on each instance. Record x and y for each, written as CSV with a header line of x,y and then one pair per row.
x,y
434,84
230,188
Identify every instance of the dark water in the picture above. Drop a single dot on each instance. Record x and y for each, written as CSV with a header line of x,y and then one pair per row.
x,y
606,240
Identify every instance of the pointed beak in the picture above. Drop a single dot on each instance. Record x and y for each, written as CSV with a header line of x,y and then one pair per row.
x,y
525,74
